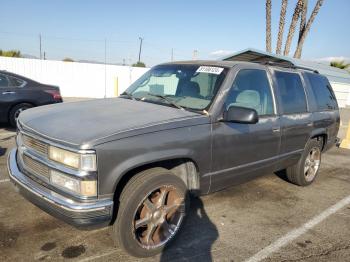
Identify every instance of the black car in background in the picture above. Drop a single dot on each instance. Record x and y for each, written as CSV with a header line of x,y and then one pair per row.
x,y
18,93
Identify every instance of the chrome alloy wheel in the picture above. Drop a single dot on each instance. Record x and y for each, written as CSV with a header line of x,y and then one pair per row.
x,y
20,110
158,217
312,164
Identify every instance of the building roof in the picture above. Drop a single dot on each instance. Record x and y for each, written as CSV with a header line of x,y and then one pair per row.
x,y
253,55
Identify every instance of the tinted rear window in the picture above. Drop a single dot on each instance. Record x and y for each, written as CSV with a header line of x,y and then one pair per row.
x,y
322,91
16,82
292,92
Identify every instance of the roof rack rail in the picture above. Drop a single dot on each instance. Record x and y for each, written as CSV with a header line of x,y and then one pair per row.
x,y
291,65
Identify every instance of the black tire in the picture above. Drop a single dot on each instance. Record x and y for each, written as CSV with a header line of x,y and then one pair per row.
x,y
15,111
136,192
296,174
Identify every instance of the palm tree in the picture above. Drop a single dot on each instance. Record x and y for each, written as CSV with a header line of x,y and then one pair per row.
x,y
339,64
293,24
301,41
281,26
303,19
268,26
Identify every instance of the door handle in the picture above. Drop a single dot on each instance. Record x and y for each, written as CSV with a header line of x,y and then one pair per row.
x,y
8,93
310,124
276,129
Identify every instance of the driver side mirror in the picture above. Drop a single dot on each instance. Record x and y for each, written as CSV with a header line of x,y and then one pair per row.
x,y
241,115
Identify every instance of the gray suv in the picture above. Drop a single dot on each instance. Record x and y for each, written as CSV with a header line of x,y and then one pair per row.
x,y
183,128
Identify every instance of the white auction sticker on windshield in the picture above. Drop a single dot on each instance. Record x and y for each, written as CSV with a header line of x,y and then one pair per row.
x,y
210,70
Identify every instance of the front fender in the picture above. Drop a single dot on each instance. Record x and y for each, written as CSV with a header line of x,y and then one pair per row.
x,y
117,158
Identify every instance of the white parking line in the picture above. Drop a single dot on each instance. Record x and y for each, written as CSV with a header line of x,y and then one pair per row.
x,y
267,251
4,180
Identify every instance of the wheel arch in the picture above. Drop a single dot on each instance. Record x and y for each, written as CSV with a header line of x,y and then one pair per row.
x,y
320,135
183,167
16,104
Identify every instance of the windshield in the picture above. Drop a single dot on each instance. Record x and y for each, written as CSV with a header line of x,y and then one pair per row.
x,y
187,86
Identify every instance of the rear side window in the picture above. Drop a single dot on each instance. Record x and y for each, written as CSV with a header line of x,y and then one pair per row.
x,y
292,92
16,82
3,81
322,91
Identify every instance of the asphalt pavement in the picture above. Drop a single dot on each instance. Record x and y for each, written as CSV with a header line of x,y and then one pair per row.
x,y
267,219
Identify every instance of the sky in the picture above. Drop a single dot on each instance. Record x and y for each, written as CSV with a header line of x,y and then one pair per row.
x,y
80,29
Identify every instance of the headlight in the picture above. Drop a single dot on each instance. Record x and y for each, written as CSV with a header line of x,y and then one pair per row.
x,y
85,162
86,188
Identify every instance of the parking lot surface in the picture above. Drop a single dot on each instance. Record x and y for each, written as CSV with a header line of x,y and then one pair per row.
x,y
266,219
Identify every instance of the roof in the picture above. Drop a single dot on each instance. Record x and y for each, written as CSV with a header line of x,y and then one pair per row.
x,y
253,55
17,76
221,63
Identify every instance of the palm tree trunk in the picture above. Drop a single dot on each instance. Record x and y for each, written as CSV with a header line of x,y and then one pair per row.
x,y
268,26
301,41
281,26
293,24
303,19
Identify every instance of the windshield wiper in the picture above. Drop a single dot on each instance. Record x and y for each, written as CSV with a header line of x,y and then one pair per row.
x,y
130,96
168,100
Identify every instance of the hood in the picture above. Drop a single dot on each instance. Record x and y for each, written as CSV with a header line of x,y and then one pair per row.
x,y
80,123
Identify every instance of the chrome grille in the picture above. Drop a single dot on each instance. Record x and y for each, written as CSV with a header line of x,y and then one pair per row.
x,y
36,145
36,168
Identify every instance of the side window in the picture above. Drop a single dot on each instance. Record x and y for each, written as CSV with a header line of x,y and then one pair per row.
x,y
3,81
15,82
251,89
292,92
322,91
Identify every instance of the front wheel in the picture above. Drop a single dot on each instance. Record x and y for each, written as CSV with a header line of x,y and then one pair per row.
x,y
151,212
305,171
15,111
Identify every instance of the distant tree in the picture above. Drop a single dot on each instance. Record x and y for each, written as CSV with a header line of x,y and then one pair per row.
x,y
68,59
340,64
139,64
10,53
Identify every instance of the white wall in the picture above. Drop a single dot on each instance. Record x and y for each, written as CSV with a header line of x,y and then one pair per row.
x,y
89,80
342,92
75,79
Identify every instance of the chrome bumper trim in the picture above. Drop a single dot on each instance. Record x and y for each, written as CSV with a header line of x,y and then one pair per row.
x,y
53,198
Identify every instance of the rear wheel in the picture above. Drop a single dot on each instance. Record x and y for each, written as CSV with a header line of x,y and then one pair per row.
x,y
15,111
151,212
305,171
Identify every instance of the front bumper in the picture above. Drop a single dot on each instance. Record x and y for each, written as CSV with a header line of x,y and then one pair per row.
x,y
79,214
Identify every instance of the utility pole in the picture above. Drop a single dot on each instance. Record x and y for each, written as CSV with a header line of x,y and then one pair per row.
x,y
141,39
44,55
40,46
105,67
172,54
195,54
